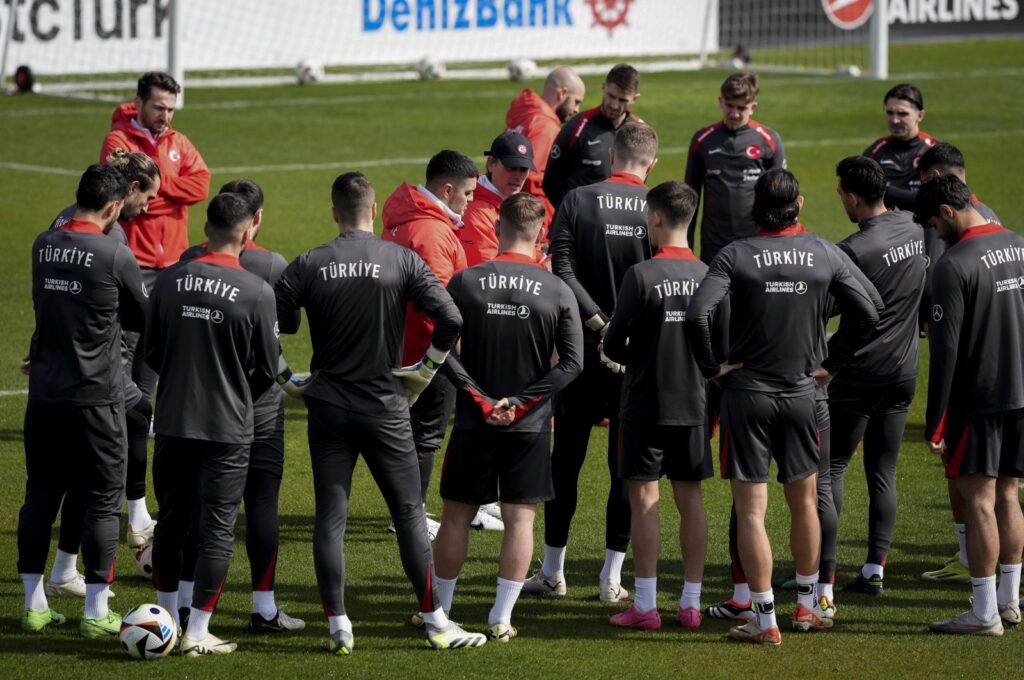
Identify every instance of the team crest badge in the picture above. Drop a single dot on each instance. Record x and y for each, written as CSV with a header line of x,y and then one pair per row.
x,y
848,14
174,155
753,152
610,14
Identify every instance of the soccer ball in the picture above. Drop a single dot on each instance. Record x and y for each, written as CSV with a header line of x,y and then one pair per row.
x,y
308,72
521,69
144,560
148,632
852,70
430,69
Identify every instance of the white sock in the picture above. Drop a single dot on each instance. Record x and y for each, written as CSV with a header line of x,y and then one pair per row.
x,y
554,561
96,595
646,597
612,569
185,593
138,514
504,601
691,595
444,590
1009,583
35,595
436,618
741,592
823,590
263,603
961,537
984,590
198,623
805,589
340,623
169,601
764,610
65,567
869,570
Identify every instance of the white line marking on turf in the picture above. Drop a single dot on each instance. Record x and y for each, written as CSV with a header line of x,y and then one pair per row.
x,y
388,162
13,393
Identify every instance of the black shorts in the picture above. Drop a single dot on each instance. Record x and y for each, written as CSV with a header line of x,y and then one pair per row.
x,y
757,427
480,463
991,444
872,400
681,453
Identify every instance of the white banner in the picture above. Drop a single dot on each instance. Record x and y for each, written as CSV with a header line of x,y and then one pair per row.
x,y
93,36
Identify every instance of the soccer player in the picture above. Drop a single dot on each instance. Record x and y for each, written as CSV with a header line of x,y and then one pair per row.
x,y
515,315
85,288
870,398
426,218
509,160
579,154
899,155
143,177
946,159
779,282
160,235
539,117
599,232
975,417
664,405
266,456
724,162
355,290
212,337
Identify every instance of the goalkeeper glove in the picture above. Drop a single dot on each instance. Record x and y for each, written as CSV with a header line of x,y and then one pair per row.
x,y
293,384
415,378
598,323
612,366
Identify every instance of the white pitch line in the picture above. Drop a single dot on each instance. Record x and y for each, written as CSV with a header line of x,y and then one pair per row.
x,y
44,169
13,393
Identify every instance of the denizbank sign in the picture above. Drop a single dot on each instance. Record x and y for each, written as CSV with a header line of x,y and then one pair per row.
x,y
466,15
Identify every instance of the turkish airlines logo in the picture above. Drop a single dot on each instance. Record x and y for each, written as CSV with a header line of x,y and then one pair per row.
x,y
523,312
217,316
753,152
640,232
610,14
937,313
75,287
800,287
848,14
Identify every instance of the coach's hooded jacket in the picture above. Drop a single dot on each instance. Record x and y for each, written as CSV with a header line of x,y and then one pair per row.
x,y
413,220
159,235
531,116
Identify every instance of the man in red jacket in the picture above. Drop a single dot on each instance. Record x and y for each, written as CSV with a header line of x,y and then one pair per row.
x,y
426,218
159,235
509,160
539,117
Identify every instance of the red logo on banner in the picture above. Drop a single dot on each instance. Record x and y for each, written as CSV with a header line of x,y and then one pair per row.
x,y
753,151
848,14
610,13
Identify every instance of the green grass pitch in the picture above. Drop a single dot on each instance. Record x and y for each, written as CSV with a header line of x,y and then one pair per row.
x,y
294,142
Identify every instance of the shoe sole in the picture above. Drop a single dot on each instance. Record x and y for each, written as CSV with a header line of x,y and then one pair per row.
x,y
951,578
767,642
93,633
543,593
981,632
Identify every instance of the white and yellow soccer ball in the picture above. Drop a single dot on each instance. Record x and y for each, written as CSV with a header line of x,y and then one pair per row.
x,y
430,69
308,72
148,632
521,69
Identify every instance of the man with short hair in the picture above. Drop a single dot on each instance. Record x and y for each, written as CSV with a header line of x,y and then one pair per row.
x,y
85,288
355,290
579,154
724,162
539,117
599,232
509,160
212,338
663,411
779,283
516,315
975,417
945,159
426,219
266,455
870,398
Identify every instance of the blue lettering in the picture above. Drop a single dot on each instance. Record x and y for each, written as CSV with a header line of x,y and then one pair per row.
x,y
561,13
444,14
514,13
462,18
486,14
370,24
541,7
424,7
400,14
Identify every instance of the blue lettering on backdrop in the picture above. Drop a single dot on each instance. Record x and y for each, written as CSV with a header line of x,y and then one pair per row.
x,y
462,15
